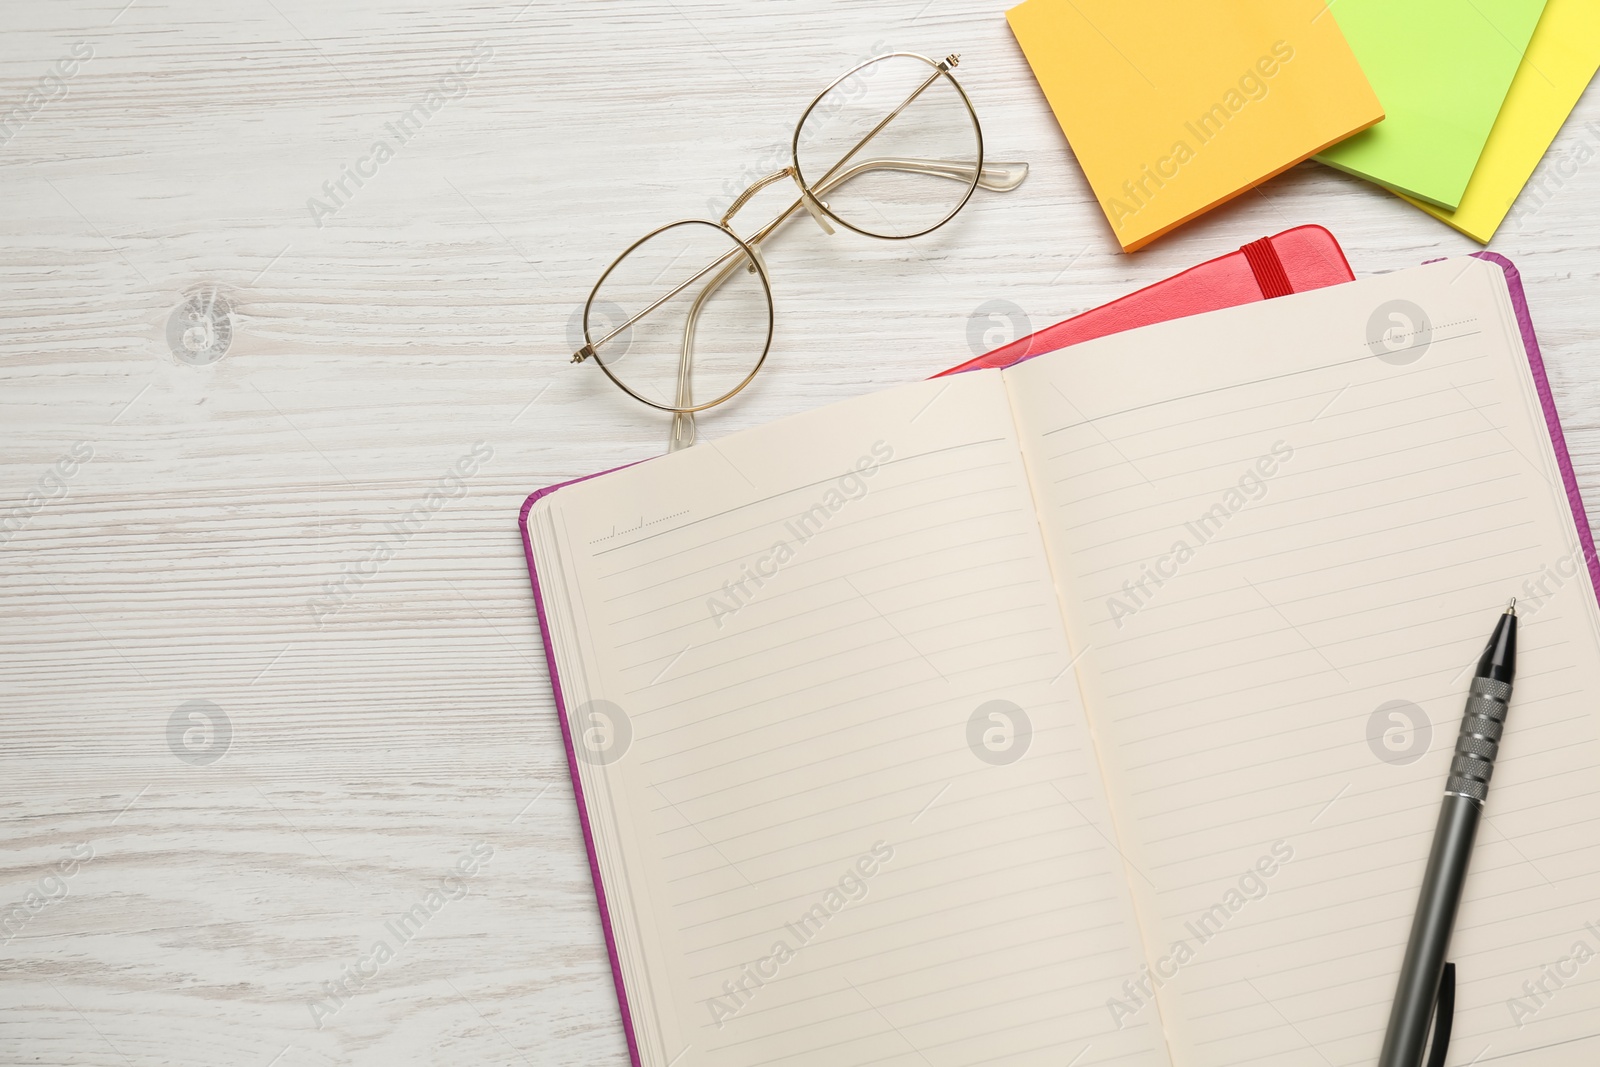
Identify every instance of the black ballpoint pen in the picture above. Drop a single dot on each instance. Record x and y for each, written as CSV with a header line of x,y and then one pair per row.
x,y
1464,794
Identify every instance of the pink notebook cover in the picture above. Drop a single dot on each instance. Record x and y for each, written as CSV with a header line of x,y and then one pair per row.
x,y
1569,480
1298,259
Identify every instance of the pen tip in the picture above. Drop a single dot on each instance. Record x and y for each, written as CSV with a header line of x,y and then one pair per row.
x,y
1511,608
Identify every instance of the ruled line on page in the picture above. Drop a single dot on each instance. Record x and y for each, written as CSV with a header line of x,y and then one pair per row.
x,y
793,489
1051,834
1052,991
1165,427
724,639
755,933
960,500
1122,565
729,568
834,832
1255,431
1231,462
758,727
1362,359
1217,490
824,607
701,545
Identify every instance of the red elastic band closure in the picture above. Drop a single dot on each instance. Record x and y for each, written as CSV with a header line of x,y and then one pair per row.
x,y
1268,268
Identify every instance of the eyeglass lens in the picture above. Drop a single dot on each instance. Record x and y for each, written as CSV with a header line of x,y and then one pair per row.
x,y
869,188
723,312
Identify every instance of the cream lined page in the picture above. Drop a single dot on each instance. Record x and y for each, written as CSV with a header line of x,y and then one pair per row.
x,y
804,766
1350,526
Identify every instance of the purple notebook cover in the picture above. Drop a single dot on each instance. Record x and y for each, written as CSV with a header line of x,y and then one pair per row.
x,y
1569,479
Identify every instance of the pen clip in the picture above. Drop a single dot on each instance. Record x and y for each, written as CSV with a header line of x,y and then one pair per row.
x,y
1444,1010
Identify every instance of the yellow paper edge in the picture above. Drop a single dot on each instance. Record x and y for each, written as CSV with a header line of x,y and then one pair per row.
x,y
1530,118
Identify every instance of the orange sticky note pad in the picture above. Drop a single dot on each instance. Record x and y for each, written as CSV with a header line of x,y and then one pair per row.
x,y
1175,107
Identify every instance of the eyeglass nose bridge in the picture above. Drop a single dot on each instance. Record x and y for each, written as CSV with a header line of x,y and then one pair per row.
x,y
808,200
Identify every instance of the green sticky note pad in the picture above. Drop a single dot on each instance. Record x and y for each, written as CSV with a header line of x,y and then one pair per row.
x,y
1441,69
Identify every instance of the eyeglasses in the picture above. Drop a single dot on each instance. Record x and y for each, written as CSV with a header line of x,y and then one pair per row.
x,y
683,319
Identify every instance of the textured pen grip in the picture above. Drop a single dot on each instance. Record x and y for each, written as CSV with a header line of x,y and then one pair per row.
x,y
1479,740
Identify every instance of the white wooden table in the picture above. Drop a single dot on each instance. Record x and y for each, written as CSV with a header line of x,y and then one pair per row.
x,y
254,549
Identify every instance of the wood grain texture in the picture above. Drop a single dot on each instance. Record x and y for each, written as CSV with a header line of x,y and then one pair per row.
x,y
372,747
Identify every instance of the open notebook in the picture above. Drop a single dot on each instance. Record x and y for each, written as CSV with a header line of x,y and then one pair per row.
x,y
1095,710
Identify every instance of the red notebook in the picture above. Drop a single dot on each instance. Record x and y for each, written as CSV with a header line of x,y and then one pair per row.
x,y
1306,257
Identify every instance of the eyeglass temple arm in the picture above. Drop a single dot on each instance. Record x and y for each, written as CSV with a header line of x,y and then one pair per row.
x,y
683,430
999,176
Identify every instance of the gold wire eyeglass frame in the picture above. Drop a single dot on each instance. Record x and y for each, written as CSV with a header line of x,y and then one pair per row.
x,y
746,255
